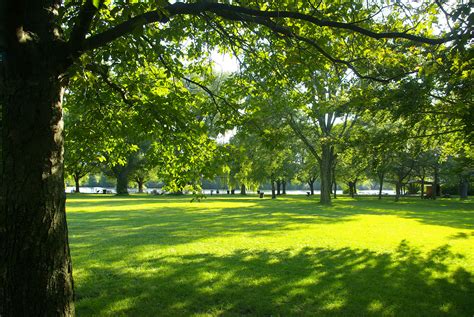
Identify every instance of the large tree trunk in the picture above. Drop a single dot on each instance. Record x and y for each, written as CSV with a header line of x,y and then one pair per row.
x,y
76,182
278,182
283,187
122,181
35,264
325,174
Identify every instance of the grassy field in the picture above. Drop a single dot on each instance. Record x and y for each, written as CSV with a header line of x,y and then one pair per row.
x,y
232,256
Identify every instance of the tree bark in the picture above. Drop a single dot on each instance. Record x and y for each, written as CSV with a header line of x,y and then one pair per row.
x,y
436,191
464,187
398,188
76,182
273,190
278,182
325,174
283,185
422,189
351,188
122,181
311,186
35,264
381,179
140,182
243,190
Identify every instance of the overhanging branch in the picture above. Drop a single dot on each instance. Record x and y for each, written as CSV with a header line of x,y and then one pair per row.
x,y
302,137
238,13
103,73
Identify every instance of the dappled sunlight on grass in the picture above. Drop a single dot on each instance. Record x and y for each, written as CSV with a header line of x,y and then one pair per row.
x,y
154,256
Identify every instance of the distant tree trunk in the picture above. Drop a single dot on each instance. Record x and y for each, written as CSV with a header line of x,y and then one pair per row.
x,y
278,182
351,189
398,189
311,186
273,190
325,174
140,182
122,182
435,182
334,183
412,188
422,189
381,179
243,190
283,187
464,187
76,182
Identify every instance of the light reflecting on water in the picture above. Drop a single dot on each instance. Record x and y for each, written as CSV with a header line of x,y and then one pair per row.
x,y
111,190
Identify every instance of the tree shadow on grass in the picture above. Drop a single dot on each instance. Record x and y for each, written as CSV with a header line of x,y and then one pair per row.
x,y
449,213
307,282
183,224
160,225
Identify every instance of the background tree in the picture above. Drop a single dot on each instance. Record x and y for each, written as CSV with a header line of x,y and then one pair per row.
x,y
307,167
81,157
329,118
353,162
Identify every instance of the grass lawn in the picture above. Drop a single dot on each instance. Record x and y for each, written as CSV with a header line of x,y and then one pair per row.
x,y
233,256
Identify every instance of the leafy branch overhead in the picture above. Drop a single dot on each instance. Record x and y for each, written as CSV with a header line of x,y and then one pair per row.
x,y
302,23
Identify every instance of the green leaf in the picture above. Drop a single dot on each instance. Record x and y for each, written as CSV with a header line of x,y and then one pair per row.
x,y
162,3
96,3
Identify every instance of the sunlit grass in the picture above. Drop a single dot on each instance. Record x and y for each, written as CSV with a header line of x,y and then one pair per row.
x,y
231,256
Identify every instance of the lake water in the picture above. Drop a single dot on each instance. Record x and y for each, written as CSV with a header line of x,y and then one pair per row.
x,y
111,190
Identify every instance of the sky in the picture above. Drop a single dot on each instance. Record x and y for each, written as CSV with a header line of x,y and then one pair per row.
x,y
224,62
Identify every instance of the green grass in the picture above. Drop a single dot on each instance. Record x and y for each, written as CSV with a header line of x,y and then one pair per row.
x,y
231,256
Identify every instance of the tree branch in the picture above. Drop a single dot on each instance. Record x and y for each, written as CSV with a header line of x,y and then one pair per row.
x,y
122,29
435,134
82,26
237,13
103,73
303,138
444,99
446,14
220,8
